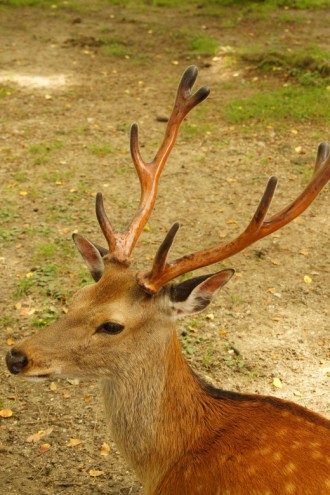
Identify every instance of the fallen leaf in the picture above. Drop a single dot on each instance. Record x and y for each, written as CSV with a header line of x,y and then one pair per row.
x,y
277,383
105,449
6,413
44,447
307,279
53,387
73,442
10,341
95,472
36,437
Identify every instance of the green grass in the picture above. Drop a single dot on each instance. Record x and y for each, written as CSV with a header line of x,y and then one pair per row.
x,y
309,66
196,43
101,149
42,151
115,48
285,105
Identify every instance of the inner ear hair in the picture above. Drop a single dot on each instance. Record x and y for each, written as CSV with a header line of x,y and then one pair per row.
x,y
180,292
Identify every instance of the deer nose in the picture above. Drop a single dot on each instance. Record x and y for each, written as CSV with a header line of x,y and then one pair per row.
x,y
16,361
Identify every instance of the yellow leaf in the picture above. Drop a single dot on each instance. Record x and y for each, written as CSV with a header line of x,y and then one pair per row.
x,y
105,449
277,383
229,222
95,472
73,442
23,193
10,341
6,413
307,279
294,131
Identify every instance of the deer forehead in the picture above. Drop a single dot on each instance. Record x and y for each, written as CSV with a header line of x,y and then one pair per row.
x,y
116,296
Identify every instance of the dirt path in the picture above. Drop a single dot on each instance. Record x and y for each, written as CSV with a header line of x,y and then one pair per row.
x,y
72,80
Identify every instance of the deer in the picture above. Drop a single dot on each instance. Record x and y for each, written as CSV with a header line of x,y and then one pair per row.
x,y
179,434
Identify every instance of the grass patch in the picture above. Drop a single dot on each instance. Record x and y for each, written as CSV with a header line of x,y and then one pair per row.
x,y
197,43
101,149
289,104
309,66
115,48
41,152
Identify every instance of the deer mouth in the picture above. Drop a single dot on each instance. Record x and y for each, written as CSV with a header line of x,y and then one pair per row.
x,y
37,378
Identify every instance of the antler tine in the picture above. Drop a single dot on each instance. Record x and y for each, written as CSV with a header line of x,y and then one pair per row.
x,y
257,229
323,152
121,244
161,256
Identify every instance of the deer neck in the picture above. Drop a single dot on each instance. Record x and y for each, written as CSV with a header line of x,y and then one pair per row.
x,y
149,408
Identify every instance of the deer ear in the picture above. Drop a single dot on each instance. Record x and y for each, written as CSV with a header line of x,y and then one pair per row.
x,y
91,254
194,295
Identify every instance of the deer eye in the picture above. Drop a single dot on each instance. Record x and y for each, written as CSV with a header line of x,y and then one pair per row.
x,y
110,327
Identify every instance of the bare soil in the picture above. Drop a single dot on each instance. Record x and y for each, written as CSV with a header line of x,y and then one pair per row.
x,y
64,136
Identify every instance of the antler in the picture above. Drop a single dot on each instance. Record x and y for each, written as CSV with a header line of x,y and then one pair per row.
x,y
121,244
162,272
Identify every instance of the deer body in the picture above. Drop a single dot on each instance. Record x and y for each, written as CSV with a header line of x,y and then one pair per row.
x,y
180,436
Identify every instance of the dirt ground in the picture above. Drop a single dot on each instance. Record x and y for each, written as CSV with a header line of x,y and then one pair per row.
x,y
65,116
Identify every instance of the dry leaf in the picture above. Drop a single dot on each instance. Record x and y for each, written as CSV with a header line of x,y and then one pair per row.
x,y
53,387
10,341
73,442
6,413
44,447
95,472
307,279
38,436
105,449
277,383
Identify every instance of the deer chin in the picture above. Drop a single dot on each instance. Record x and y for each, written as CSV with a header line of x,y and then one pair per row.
x,y
33,376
